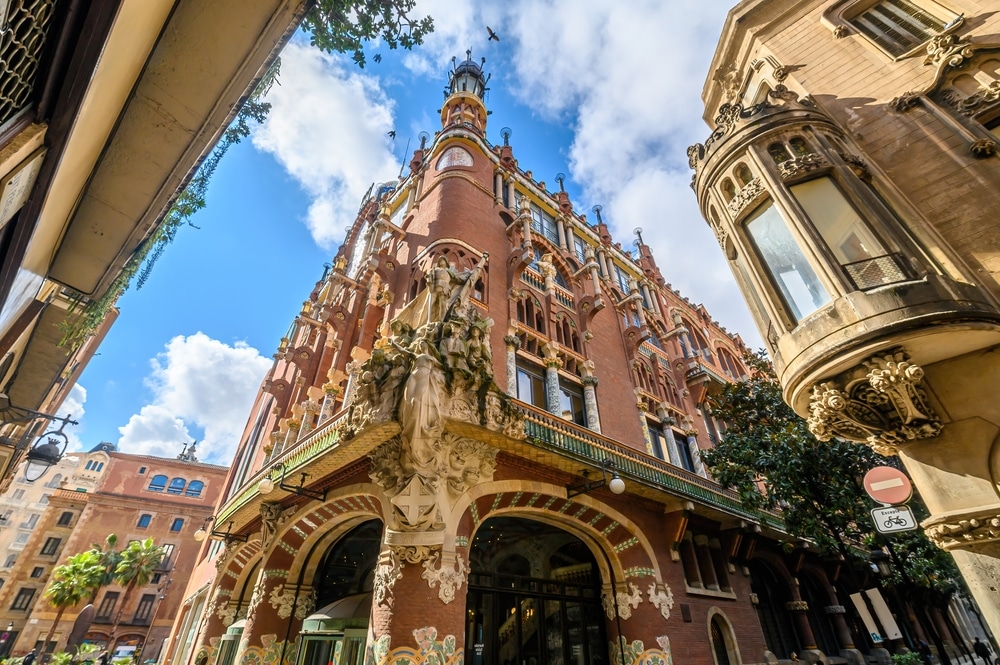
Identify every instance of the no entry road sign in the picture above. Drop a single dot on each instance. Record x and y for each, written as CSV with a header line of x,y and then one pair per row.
x,y
888,485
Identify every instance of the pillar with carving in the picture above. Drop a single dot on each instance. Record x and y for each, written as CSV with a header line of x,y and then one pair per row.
x,y
799,609
330,394
692,444
553,396
666,422
590,403
512,343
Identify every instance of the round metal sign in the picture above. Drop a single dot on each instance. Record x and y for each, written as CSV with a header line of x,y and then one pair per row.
x,y
888,485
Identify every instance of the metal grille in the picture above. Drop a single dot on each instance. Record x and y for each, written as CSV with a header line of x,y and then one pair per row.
x,y
22,45
878,271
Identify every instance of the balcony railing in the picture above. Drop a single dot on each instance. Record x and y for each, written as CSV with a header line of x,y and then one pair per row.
x,y
550,433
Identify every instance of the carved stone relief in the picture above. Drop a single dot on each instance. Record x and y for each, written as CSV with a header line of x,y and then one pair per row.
x,y
286,600
747,195
450,575
966,531
388,571
662,598
798,165
880,403
626,601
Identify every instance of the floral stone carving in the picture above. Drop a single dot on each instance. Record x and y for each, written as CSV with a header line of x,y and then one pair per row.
x,y
626,601
884,406
388,571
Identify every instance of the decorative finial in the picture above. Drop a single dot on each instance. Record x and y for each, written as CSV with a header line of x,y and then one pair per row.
x,y
505,133
597,211
638,232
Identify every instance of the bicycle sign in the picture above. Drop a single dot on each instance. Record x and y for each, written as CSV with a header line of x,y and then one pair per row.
x,y
893,518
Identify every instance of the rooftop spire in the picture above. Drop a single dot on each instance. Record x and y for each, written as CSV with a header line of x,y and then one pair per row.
x,y
465,92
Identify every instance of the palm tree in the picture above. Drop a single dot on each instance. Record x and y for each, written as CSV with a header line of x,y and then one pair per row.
x,y
135,569
73,581
109,557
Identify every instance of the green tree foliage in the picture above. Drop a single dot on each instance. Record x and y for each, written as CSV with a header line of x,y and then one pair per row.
x,y
343,26
135,569
78,578
772,460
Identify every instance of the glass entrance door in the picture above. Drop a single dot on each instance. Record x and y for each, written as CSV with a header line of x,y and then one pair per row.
x,y
344,649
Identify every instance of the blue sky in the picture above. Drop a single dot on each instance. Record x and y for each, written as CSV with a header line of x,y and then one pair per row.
x,y
605,92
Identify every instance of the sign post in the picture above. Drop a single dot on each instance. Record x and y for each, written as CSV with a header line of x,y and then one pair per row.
x,y
891,488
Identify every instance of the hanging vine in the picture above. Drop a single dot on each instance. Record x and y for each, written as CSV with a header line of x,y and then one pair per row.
x,y
334,25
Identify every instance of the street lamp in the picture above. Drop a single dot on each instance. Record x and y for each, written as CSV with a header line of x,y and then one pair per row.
x,y
45,455
880,563
616,484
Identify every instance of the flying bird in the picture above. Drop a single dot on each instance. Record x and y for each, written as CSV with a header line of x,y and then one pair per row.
x,y
493,35
377,57
391,134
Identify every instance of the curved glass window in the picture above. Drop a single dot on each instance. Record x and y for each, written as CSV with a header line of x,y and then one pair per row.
x,y
778,152
157,484
176,486
790,271
194,488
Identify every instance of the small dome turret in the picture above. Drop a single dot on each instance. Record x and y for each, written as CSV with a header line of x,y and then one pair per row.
x,y
468,76
464,104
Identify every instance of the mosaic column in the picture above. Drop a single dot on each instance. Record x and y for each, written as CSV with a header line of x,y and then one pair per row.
x,y
641,406
553,396
330,394
309,411
352,368
590,402
276,609
666,422
292,435
692,443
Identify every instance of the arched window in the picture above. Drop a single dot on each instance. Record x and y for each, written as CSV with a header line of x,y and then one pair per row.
x,y
778,152
194,488
157,484
743,175
89,466
728,190
100,466
176,486
799,146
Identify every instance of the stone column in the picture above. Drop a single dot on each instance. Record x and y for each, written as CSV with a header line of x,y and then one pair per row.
x,y
513,343
837,615
799,610
219,613
595,275
553,396
498,186
705,565
561,232
692,443
570,245
292,435
590,403
602,258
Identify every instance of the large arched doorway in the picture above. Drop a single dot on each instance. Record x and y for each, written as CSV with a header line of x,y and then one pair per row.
x,y
336,632
534,597
772,596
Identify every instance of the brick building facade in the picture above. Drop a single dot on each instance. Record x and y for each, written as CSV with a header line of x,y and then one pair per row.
x,y
852,177
138,497
479,441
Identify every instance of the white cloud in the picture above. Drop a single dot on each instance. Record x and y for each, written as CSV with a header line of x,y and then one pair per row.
x,y
634,113
197,382
327,128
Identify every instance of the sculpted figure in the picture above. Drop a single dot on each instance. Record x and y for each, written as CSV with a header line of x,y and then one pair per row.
x,y
479,351
442,282
420,408
453,350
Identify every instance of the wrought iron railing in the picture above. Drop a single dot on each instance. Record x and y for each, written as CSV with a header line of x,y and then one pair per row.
x,y
878,271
